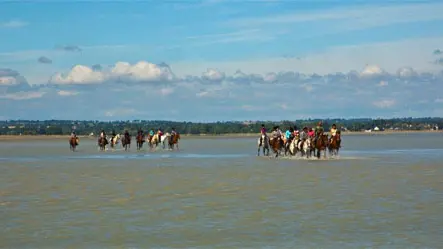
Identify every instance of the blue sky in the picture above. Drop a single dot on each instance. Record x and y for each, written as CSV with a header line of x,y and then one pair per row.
x,y
220,59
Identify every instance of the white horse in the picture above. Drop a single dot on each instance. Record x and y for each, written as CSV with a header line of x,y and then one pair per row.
x,y
305,147
164,139
264,143
293,146
155,140
115,140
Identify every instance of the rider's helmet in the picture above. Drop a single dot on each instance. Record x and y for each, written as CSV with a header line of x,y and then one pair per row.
x,y
334,126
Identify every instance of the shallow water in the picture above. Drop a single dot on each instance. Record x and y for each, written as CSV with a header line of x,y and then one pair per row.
x,y
384,191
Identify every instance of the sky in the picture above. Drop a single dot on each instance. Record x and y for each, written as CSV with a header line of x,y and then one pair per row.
x,y
220,60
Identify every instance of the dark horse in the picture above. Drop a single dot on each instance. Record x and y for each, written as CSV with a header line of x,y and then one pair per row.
x,y
276,145
73,142
173,139
140,140
102,142
321,144
126,141
334,145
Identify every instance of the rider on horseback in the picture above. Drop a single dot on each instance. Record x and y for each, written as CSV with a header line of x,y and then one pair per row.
x,y
160,134
113,135
333,131
303,135
262,133
73,135
318,131
102,134
289,135
173,133
126,134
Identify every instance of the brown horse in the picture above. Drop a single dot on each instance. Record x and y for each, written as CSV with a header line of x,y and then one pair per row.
x,y
126,142
140,140
321,144
276,145
173,140
334,145
102,142
73,143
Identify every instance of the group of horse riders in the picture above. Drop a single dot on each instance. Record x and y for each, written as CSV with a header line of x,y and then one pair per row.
x,y
139,133
293,132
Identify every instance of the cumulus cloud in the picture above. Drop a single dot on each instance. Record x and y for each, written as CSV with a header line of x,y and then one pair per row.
x,y
44,60
121,72
11,78
213,75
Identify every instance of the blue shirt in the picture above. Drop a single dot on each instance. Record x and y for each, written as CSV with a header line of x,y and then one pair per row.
x,y
288,134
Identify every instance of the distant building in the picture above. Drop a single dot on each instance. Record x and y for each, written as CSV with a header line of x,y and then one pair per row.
x,y
376,128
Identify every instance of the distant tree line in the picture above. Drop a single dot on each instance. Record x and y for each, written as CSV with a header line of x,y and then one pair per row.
x,y
64,127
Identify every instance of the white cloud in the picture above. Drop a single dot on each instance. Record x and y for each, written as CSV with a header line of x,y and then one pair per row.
x,y
406,72
13,24
79,74
372,70
213,75
121,71
438,100
23,95
166,91
66,93
384,103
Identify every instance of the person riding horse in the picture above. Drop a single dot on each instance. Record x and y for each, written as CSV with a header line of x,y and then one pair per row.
x,y
160,134
333,131
113,135
303,135
262,133
127,136
289,135
318,131
173,133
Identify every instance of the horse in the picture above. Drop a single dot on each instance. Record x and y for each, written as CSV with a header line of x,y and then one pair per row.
x,y
334,144
287,145
263,141
153,141
321,144
292,147
102,142
165,137
115,140
140,141
73,143
126,141
276,145
173,140
305,147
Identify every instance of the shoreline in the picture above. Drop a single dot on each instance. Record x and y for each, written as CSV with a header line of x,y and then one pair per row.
x,y
207,136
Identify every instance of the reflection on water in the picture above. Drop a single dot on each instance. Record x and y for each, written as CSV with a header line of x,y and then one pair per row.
x,y
217,193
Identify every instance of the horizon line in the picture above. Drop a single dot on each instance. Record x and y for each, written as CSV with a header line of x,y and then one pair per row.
x,y
221,121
